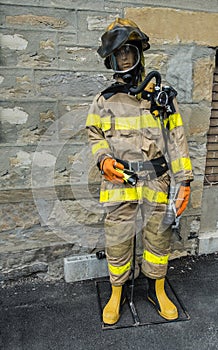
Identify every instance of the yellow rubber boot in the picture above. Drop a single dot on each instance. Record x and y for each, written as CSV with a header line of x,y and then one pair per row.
x,y
111,312
157,296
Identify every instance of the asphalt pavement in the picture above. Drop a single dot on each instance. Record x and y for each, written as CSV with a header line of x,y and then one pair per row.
x,y
40,315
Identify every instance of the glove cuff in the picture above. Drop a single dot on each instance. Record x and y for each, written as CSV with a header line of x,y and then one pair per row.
x,y
101,158
186,183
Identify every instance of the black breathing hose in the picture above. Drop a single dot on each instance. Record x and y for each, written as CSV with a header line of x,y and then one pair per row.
x,y
154,74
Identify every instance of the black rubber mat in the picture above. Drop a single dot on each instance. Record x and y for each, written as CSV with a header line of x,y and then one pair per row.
x,y
141,312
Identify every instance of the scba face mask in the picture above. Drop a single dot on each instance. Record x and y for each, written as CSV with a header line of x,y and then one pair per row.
x,y
125,58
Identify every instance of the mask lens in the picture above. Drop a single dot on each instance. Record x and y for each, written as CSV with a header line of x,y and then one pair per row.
x,y
125,58
123,51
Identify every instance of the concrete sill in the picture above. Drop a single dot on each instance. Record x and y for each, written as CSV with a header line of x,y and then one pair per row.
x,y
208,242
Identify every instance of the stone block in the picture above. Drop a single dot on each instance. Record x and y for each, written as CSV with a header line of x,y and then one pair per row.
x,y
47,165
15,171
112,5
72,121
16,82
91,26
198,157
98,22
34,251
64,4
63,84
182,26
18,215
179,73
65,107
203,79
196,192
15,42
196,118
79,58
156,61
24,271
77,212
40,50
34,17
24,122
66,38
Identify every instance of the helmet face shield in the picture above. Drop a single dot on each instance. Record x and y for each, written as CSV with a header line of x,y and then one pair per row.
x,y
125,58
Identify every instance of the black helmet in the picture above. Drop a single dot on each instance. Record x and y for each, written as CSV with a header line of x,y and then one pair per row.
x,y
118,33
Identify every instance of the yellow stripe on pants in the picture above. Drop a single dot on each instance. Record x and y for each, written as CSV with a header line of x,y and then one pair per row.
x,y
154,259
131,194
119,270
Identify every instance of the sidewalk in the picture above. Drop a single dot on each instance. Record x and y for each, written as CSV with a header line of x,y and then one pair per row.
x,y
37,315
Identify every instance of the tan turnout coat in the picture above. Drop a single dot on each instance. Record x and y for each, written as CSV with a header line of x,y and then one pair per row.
x,y
123,127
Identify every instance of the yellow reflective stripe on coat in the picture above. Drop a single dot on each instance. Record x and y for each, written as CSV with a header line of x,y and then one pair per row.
x,y
106,123
137,123
154,259
133,193
181,164
101,144
173,121
129,123
119,270
93,120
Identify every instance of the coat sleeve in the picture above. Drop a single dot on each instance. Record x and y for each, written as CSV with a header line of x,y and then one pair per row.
x,y
99,145
178,151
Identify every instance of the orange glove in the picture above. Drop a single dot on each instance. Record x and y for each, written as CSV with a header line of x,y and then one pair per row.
x,y
107,167
182,198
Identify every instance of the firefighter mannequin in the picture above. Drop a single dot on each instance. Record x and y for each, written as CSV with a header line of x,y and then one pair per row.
x,y
121,126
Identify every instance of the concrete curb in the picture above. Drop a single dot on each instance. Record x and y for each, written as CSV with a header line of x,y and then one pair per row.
x,y
79,268
208,243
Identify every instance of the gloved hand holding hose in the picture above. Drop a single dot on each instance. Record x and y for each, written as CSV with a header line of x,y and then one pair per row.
x,y
107,167
182,197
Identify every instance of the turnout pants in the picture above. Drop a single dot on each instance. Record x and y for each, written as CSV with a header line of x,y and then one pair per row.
x,y
125,220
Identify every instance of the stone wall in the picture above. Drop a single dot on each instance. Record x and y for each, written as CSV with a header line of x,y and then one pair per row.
x,y
50,72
